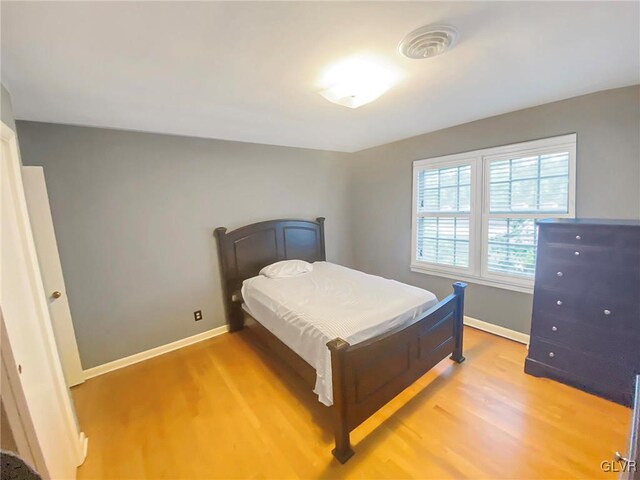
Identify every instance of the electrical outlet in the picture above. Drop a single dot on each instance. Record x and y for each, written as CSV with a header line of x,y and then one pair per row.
x,y
197,315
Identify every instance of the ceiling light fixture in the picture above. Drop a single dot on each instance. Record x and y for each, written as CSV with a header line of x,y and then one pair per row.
x,y
428,41
357,81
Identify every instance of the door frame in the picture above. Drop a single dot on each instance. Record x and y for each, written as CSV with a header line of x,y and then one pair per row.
x,y
73,440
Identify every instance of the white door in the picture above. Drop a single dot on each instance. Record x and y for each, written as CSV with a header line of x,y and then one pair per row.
x,y
35,190
28,325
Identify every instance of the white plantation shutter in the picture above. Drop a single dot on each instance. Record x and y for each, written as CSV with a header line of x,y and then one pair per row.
x,y
522,189
444,240
444,206
534,184
445,189
512,246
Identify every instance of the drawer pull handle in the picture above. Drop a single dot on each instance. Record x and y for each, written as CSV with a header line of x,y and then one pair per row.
x,y
578,237
559,302
554,329
559,274
607,312
551,354
576,253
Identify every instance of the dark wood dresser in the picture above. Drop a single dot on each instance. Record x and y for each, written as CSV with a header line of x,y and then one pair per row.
x,y
585,328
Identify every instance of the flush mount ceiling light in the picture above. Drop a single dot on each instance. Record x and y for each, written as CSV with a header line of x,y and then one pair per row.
x,y
428,41
356,81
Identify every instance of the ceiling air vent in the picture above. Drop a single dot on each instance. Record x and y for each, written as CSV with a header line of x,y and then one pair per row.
x,y
428,41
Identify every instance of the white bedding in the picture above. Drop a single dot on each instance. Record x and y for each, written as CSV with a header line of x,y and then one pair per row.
x,y
309,310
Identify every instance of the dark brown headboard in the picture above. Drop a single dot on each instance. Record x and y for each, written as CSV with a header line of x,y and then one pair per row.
x,y
245,251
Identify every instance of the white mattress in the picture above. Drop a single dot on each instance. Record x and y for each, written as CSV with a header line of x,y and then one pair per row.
x,y
309,310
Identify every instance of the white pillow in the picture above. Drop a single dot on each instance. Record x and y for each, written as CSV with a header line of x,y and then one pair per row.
x,y
286,268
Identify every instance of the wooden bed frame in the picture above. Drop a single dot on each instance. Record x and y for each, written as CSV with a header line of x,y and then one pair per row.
x,y
366,375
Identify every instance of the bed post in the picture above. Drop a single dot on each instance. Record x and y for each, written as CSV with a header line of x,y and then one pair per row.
x,y
323,253
458,329
232,310
343,450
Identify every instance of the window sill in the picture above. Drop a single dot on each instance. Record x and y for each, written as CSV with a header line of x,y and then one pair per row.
x,y
465,277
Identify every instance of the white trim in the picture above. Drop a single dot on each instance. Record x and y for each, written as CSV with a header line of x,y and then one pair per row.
x,y
497,330
154,352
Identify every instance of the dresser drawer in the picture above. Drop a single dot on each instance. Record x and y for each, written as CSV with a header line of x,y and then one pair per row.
x,y
612,313
576,235
609,345
589,235
591,256
609,280
606,377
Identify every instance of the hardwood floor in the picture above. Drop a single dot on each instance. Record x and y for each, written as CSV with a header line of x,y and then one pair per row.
x,y
225,409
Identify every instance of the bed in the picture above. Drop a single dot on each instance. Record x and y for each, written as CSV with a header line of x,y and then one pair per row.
x,y
394,334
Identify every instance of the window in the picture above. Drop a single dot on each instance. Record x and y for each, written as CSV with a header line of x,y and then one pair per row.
x,y
444,207
474,213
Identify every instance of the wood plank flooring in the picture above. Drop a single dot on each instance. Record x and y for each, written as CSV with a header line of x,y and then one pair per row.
x,y
223,408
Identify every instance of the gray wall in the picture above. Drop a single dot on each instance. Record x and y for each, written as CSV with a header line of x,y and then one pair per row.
x,y
608,185
134,212
134,216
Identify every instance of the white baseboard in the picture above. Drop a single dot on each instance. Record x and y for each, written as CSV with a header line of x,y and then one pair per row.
x,y
154,352
497,330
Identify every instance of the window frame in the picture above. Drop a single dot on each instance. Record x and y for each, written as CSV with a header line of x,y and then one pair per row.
x,y
447,161
479,214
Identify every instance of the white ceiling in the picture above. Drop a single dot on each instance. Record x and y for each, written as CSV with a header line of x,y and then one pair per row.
x,y
249,71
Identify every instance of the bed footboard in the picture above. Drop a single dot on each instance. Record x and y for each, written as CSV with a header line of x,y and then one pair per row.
x,y
368,375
